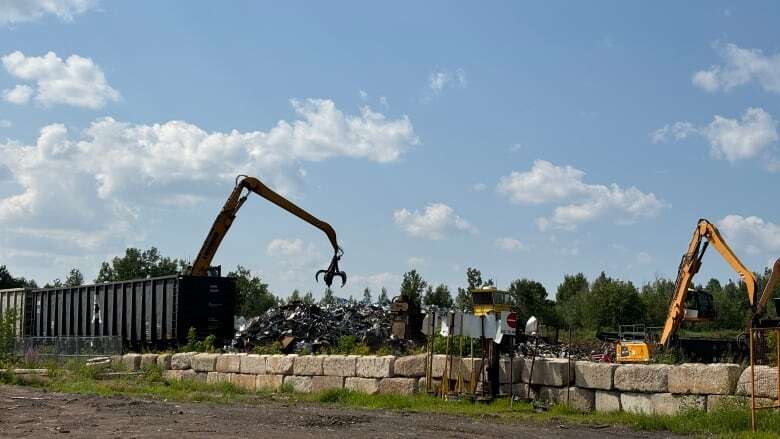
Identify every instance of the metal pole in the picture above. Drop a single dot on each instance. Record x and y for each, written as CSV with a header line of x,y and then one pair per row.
x,y
752,384
531,373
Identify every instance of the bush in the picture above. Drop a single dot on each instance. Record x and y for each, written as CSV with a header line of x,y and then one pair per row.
x,y
7,336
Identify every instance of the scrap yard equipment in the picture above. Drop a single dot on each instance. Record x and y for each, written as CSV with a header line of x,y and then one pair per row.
x,y
695,305
244,186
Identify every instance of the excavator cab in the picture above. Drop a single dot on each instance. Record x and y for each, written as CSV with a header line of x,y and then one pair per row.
x,y
699,306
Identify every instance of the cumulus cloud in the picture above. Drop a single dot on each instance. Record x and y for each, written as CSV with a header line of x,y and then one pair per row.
x,y
92,188
20,11
509,244
439,80
5,123
740,66
577,201
76,81
751,234
435,222
729,139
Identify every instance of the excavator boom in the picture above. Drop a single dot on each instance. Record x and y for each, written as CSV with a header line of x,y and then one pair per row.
x,y
228,214
689,266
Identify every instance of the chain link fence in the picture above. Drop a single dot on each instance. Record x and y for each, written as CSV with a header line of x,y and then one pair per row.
x,y
65,348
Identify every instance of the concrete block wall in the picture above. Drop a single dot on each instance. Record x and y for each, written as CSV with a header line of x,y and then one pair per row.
x,y
586,386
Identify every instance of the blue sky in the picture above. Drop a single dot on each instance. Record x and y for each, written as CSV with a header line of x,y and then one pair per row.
x,y
527,140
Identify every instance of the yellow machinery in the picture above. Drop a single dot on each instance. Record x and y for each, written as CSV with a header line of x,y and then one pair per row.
x,y
489,299
244,186
695,305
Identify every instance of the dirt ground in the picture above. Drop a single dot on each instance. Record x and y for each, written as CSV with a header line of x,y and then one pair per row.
x,y
28,412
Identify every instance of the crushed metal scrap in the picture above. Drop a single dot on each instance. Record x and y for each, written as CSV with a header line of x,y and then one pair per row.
x,y
303,327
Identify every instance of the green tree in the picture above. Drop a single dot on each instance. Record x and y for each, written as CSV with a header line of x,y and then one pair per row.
x,y
74,278
308,298
252,295
7,280
327,297
610,303
137,264
655,299
463,300
367,296
572,285
383,300
294,297
529,298
439,297
412,286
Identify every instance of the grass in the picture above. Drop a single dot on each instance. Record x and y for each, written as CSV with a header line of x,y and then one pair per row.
x,y
727,422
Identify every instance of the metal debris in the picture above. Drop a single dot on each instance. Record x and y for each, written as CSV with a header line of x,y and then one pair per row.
x,y
303,327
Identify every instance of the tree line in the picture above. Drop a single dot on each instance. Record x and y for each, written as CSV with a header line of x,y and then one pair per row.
x,y
603,303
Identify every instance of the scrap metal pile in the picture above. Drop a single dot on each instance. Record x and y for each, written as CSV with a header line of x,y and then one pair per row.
x,y
299,326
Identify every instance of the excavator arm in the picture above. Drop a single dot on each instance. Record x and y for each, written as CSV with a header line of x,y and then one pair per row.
x,y
769,289
244,186
689,266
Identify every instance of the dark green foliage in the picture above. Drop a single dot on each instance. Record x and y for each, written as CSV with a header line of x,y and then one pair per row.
x,y
7,280
308,298
7,335
252,295
75,278
367,295
137,264
383,300
529,298
294,297
655,300
412,286
439,296
463,300
572,285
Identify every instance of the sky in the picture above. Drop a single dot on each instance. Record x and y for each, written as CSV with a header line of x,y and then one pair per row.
x,y
529,140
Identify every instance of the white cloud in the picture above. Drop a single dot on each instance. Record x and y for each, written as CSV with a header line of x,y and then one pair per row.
x,y
5,123
20,11
76,81
19,94
441,79
509,244
94,189
547,183
416,261
435,222
383,102
294,252
729,139
751,234
740,66
516,147
644,258
363,95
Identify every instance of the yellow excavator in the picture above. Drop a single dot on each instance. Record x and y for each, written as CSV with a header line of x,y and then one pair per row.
x,y
688,304
244,186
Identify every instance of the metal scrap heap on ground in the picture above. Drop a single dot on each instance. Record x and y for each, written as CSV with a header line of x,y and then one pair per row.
x,y
300,327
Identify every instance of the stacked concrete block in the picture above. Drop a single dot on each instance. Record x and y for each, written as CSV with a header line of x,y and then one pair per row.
x,y
397,386
553,372
308,365
339,365
607,401
148,360
645,378
245,381
204,362
372,366
131,362
590,375
280,364
574,397
179,375
253,364
704,379
328,382
670,404
510,376
228,363
638,403
164,361
299,384
765,382
269,382
182,361
410,366
219,377
369,386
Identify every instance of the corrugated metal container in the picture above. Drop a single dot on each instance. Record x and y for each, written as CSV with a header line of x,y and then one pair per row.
x,y
153,311
14,299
